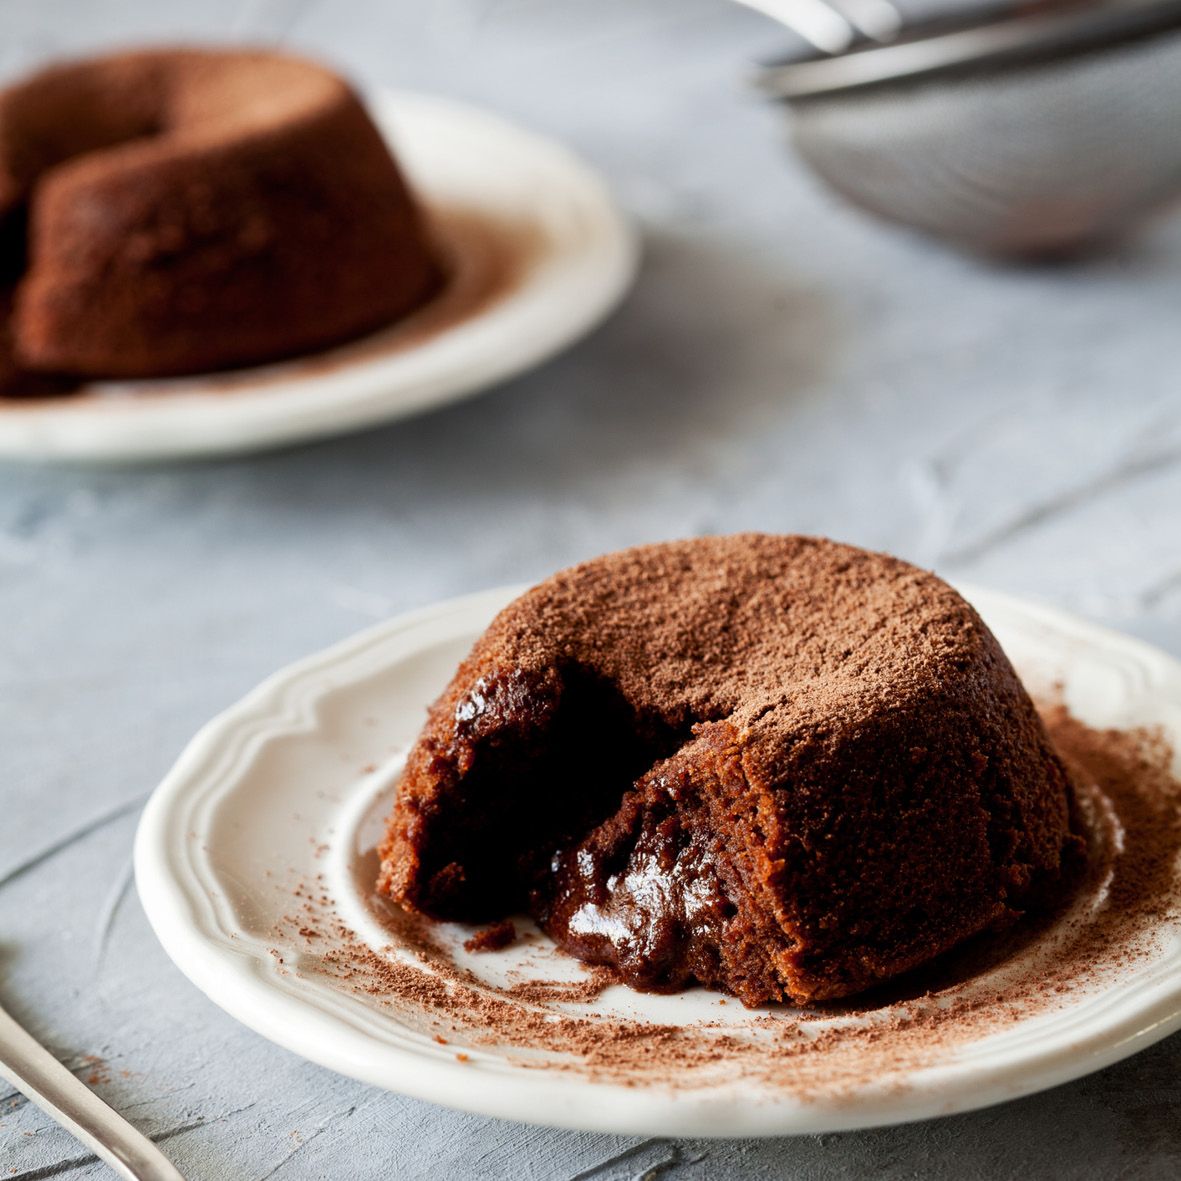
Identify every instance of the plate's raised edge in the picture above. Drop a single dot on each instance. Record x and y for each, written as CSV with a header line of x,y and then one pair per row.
x,y
1166,668
234,978
282,413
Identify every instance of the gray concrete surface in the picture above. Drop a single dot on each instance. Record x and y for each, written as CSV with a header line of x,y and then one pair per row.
x,y
783,364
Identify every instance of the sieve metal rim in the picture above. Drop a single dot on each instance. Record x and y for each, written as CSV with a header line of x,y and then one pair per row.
x,y
1099,24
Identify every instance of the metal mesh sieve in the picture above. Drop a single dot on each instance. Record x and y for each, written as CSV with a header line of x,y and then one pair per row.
x,y
1024,159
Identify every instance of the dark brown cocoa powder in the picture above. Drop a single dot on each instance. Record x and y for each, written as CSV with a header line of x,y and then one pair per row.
x,y
494,938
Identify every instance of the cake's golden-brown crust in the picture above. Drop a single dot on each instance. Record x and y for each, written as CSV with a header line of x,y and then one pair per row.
x,y
193,209
834,773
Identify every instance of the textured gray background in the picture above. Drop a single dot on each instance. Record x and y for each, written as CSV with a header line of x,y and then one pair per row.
x,y
783,364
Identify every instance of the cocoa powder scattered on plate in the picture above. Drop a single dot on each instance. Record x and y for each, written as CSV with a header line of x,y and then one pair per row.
x,y
1130,889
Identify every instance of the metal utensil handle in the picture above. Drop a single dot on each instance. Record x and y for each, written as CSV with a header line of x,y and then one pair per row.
x,y
877,19
34,1071
815,20
1042,31
832,25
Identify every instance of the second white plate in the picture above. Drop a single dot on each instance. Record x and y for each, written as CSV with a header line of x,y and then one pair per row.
x,y
540,252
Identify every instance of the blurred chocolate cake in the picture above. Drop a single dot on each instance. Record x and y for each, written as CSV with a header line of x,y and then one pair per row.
x,y
176,211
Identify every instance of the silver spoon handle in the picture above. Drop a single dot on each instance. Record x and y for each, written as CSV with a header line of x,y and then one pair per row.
x,y
34,1071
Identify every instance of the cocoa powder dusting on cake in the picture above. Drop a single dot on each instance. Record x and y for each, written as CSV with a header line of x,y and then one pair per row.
x,y
790,770
1130,806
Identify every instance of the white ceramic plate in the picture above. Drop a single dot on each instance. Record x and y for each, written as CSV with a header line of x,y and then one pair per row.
x,y
289,787
525,222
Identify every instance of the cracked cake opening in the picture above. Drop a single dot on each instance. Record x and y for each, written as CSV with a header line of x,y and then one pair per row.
x,y
531,764
776,766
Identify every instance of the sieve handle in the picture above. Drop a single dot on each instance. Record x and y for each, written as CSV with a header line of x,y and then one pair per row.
x,y
833,27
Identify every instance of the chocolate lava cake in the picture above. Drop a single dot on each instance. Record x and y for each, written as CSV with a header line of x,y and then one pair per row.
x,y
181,210
778,766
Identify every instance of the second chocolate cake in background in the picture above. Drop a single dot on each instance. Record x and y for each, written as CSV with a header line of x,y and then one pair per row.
x,y
778,766
176,211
